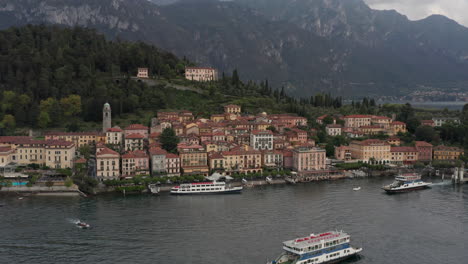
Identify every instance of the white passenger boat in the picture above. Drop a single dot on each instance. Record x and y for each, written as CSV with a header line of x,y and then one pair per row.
x,y
205,188
330,247
406,183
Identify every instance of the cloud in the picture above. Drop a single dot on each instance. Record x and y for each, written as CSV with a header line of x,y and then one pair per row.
x,y
418,9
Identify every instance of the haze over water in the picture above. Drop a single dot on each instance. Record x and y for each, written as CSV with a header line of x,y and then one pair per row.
x,y
427,226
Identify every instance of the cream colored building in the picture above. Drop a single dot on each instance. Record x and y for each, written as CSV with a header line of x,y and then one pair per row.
x,y
309,159
201,74
107,164
114,136
7,155
334,130
143,73
232,109
356,121
78,138
60,154
371,151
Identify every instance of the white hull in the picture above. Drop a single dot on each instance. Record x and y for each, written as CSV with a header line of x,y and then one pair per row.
x,y
225,191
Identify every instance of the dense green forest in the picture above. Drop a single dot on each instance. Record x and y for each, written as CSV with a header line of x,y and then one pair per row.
x,y
49,75
56,77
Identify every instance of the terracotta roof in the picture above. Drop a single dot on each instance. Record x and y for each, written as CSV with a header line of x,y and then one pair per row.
x,y
381,117
59,143
80,161
88,133
13,139
423,144
398,123
114,129
135,136
447,148
154,135
261,132
333,126
172,156
5,149
107,151
369,142
136,127
157,151
216,155
135,154
358,116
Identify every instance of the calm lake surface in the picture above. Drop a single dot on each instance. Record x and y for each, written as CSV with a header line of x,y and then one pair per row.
x,y
428,226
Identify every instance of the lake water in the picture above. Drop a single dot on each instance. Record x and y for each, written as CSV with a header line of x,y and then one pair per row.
x,y
428,226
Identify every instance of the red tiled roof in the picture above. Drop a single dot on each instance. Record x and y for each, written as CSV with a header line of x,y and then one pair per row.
x,y
59,133
172,156
423,144
157,151
80,161
114,129
381,117
398,123
59,143
358,116
135,136
5,149
260,132
136,127
369,142
135,154
107,151
13,139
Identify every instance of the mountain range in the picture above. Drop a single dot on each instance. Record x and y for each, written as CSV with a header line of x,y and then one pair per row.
x,y
340,46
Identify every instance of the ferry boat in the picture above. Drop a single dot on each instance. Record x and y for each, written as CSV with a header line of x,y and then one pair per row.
x,y
406,183
205,188
330,247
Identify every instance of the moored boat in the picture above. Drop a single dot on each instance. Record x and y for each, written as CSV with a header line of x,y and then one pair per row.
x,y
330,247
154,189
406,183
205,188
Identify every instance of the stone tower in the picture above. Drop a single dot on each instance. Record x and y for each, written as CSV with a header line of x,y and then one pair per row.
x,y
106,117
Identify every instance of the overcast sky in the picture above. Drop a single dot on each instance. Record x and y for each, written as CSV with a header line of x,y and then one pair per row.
x,y
418,9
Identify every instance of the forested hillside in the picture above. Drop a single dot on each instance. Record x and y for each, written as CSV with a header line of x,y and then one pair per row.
x,y
49,75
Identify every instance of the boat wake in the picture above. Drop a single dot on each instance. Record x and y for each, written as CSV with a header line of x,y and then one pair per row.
x,y
73,221
449,182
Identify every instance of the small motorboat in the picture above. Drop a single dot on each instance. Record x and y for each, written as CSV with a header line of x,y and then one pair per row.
x,y
268,180
154,189
83,225
357,188
290,180
20,198
244,181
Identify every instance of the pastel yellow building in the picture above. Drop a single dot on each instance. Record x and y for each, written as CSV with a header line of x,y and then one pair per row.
x,y
371,151
447,153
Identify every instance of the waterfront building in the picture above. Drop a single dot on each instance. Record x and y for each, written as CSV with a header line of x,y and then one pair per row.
x,y
243,159
357,121
201,74
404,155
107,164
371,151
7,156
158,161
343,153
59,154
447,153
309,159
135,163
424,151
143,73
114,136
216,161
193,159
78,138
273,159
333,130
106,117
261,140
134,142
172,164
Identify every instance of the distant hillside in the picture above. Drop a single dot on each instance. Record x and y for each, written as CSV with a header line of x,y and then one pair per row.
x,y
306,45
